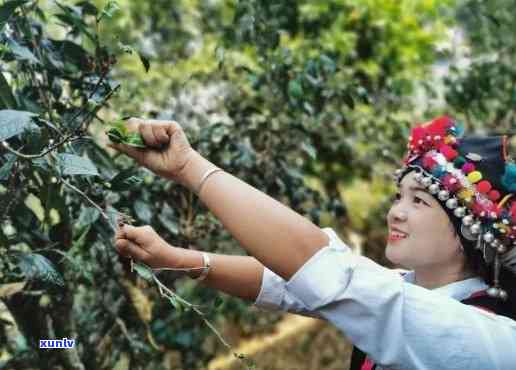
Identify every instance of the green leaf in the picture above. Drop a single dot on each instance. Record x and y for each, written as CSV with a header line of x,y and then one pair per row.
x,y
37,267
79,242
88,216
125,180
71,52
22,52
7,290
295,89
7,99
71,164
328,64
177,305
109,9
87,8
144,271
143,211
134,139
72,17
13,122
7,9
309,149
169,219
118,133
218,304
145,61
5,170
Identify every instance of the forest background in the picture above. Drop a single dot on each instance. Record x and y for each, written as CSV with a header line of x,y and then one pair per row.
x,y
308,101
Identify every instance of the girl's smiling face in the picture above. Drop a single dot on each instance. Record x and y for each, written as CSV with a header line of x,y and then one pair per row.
x,y
421,236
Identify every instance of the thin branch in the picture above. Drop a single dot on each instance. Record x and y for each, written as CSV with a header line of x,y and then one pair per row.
x,y
165,292
67,139
85,197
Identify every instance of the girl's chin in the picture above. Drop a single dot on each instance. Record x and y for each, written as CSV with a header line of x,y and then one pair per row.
x,y
394,254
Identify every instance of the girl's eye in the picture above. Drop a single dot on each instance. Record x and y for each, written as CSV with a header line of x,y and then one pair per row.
x,y
418,200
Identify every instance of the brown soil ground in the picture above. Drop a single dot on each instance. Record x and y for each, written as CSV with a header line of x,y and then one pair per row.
x,y
296,343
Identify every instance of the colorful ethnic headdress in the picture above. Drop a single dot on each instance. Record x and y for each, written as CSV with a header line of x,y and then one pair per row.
x,y
474,178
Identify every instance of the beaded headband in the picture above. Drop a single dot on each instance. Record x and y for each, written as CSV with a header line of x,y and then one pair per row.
x,y
476,180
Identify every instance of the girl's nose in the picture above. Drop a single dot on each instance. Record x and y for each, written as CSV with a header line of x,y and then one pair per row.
x,y
396,213
401,215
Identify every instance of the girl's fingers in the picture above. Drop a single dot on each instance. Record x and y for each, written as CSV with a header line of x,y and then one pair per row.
x,y
120,234
148,134
128,150
129,249
138,234
161,134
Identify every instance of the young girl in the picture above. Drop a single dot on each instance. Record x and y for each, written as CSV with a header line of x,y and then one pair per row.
x,y
453,225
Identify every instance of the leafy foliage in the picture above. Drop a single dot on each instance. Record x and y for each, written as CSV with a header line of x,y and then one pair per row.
x,y
298,98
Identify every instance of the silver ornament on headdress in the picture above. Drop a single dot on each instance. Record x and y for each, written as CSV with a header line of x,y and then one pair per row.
x,y
468,220
488,237
426,181
501,249
476,228
502,294
418,176
443,195
459,212
466,232
495,291
434,188
495,243
452,203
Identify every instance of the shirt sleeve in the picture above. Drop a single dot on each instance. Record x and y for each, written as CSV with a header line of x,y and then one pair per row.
x,y
274,296
398,324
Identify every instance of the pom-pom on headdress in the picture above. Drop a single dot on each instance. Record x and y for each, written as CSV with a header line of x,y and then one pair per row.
x,y
475,179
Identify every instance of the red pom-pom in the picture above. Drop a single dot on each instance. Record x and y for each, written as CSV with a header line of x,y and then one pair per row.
x,y
448,152
477,209
468,167
484,209
428,162
451,183
494,195
417,134
439,126
484,186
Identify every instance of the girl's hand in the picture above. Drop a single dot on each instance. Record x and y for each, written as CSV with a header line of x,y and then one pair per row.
x,y
145,245
171,149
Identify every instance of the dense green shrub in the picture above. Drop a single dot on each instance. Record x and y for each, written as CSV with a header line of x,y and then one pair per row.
x,y
297,98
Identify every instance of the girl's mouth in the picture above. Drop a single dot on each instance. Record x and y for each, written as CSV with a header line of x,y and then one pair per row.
x,y
395,236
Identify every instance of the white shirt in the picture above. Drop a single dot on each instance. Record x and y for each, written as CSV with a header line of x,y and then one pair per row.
x,y
399,325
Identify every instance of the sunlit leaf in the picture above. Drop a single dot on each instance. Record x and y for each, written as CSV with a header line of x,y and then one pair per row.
x,y
145,272
37,267
71,164
125,180
145,61
7,9
88,216
22,52
13,122
7,99
5,170
7,290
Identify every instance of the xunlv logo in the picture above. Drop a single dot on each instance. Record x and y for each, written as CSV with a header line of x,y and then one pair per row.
x,y
56,343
